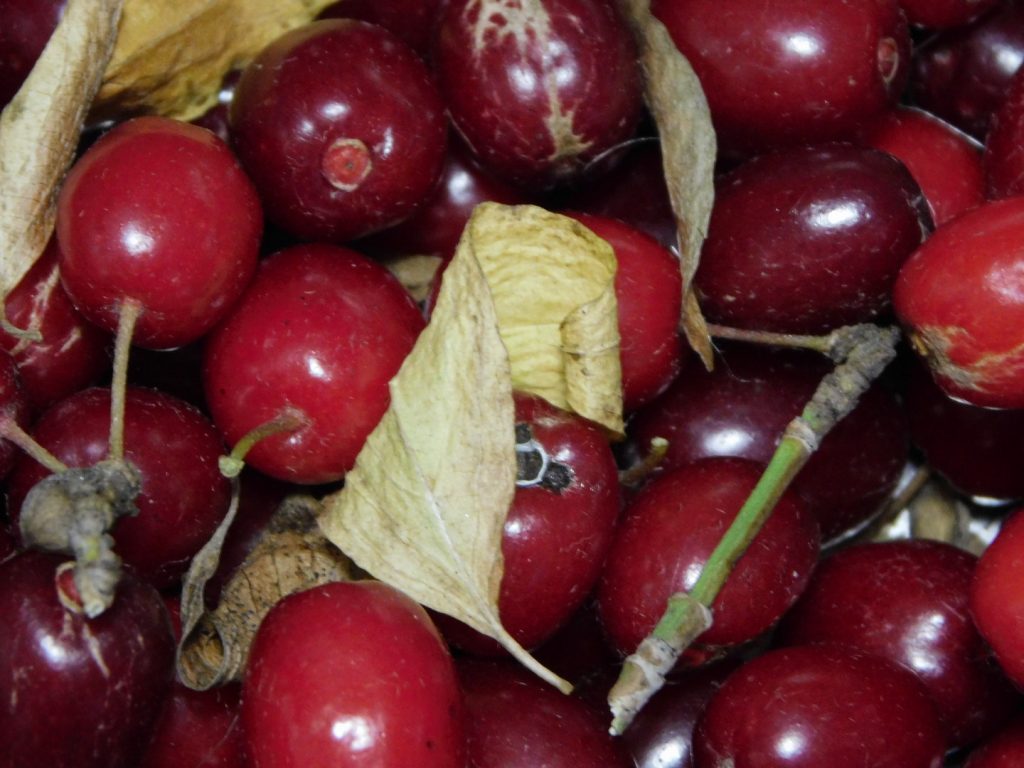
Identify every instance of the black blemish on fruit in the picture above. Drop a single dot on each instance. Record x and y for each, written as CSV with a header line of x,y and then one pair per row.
x,y
534,467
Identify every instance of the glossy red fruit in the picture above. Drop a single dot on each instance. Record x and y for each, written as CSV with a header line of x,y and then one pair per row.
x,y
798,72
648,291
321,330
962,74
538,89
160,212
959,298
945,162
907,601
351,674
810,239
436,227
741,409
980,451
514,720
940,14
14,407
27,27
78,693
667,534
197,729
338,152
72,354
413,21
1004,750
997,602
174,447
1004,145
559,527
820,706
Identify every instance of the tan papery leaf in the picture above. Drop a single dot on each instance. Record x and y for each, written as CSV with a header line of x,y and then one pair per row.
x,y
425,506
39,130
688,148
172,55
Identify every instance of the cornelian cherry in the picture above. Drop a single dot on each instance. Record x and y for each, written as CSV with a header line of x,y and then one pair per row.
x,y
997,602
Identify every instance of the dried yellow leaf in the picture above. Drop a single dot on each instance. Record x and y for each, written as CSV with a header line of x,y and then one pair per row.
x,y
688,149
172,55
424,508
39,130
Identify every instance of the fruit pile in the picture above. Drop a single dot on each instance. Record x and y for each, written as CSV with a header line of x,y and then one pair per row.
x,y
410,382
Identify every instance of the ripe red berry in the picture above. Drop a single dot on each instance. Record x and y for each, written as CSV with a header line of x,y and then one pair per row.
x,y
997,602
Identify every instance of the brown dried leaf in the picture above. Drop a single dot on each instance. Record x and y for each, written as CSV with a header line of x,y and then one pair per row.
x,y
171,55
688,148
291,555
425,506
39,130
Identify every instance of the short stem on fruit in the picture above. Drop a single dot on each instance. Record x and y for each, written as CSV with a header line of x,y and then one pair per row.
x,y
866,351
639,472
288,420
9,430
129,314
835,345
22,334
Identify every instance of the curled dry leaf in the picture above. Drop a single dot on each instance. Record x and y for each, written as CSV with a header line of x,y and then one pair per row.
x,y
415,273
291,555
171,55
425,506
688,148
39,130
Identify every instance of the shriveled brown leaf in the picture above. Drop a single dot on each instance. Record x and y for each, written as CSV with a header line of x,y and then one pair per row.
x,y
291,555
171,55
688,148
425,506
39,131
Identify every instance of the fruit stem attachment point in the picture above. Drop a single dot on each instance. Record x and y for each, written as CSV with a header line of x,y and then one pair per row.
x,y
288,420
639,472
862,353
10,431
346,163
129,314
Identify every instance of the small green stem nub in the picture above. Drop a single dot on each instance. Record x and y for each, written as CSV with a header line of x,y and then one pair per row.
x,y
288,420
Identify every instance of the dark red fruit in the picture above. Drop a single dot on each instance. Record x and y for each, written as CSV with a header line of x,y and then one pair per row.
x,y
979,450
1004,145
160,212
962,74
958,298
514,720
538,89
648,290
411,20
939,14
321,331
741,409
1004,750
14,408
797,72
820,706
559,527
351,674
174,447
198,729
997,602
945,162
668,533
907,601
27,26
73,352
78,693
339,151
810,239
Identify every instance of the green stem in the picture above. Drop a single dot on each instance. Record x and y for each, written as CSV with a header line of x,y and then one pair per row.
x,y
10,431
797,341
289,420
129,314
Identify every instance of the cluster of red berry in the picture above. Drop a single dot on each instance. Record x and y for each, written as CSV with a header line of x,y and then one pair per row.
x,y
242,257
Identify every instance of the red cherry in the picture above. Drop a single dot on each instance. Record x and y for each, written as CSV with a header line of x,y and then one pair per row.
x,y
538,89
158,211
321,330
174,447
73,352
907,601
958,298
939,14
997,602
14,407
1004,146
668,533
945,162
513,720
78,692
27,27
797,72
338,152
413,21
351,674
810,239
820,706
1004,750
197,728
648,290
